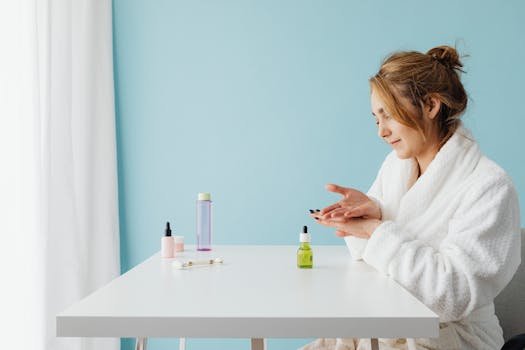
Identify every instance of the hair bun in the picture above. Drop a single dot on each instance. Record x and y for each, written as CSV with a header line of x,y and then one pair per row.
x,y
446,55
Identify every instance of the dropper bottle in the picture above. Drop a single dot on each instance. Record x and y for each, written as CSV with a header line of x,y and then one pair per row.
x,y
167,243
305,255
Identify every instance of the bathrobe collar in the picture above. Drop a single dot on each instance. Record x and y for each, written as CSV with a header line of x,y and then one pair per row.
x,y
456,159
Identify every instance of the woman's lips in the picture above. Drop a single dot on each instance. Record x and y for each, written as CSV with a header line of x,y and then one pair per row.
x,y
394,142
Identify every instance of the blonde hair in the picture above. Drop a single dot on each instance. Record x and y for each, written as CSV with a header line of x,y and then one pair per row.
x,y
418,76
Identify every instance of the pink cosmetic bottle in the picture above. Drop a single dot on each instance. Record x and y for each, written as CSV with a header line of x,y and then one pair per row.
x,y
179,243
167,244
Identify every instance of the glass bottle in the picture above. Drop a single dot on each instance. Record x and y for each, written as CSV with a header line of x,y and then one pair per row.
x,y
204,222
305,255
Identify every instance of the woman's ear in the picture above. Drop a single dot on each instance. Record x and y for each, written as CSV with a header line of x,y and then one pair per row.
x,y
432,106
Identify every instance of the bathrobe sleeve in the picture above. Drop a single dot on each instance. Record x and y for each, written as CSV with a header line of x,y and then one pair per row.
x,y
357,245
375,192
474,262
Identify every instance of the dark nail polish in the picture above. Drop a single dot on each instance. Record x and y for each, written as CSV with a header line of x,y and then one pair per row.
x,y
311,211
316,218
317,210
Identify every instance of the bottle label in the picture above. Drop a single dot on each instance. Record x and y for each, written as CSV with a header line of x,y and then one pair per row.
x,y
304,260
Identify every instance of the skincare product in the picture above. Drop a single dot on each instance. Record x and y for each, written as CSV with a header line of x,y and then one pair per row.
x,y
305,254
166,243
179,243
204,222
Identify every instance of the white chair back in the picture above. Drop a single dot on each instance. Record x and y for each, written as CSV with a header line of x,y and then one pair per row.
x,y
510,303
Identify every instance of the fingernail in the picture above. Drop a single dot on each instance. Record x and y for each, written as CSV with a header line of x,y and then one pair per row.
x,y
316,218
311,211
317,210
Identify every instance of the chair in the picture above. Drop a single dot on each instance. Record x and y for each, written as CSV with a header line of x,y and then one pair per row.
x,y
510,303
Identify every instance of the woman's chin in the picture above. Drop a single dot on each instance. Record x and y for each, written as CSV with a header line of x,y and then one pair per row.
x,y
402,155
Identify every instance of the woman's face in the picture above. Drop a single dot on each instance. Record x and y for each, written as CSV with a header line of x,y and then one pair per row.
x,y
406,141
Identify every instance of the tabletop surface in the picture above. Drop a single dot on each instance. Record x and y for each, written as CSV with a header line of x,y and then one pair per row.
x,y
258,292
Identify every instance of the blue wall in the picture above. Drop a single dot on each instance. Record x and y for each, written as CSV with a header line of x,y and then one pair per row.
x,y
262,103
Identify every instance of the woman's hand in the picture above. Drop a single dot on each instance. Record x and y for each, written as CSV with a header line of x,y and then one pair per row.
x,y
354,215
358,227
354,204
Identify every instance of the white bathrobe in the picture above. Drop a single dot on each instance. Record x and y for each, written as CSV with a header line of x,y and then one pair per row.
x,y
451,238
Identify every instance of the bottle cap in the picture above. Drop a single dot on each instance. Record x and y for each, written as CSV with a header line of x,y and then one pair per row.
x,y
204,196
304,237
167,230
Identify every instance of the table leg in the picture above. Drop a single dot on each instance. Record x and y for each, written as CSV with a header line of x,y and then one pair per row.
x,y
374,343
141,343
258,344
411,344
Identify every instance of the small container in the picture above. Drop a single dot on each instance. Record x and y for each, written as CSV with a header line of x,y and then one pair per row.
x,y
167,244
305,255
204,222
179,243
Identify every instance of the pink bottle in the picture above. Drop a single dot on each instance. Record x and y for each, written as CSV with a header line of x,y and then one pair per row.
x,y
179,243
167,244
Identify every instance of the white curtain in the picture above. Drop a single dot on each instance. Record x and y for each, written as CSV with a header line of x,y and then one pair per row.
x,y
58,175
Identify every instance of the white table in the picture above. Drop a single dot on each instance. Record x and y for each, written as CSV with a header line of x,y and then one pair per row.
x,y
258,292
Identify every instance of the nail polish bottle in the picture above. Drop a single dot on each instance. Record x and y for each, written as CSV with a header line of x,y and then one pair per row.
x,y
167,244
305,254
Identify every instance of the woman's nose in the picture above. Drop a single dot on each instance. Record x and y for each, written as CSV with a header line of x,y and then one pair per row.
x,y
382,131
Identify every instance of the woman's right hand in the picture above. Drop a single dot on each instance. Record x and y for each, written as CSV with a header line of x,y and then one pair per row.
x,y
353,204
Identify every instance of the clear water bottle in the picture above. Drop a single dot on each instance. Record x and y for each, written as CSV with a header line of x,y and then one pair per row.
x,y
204,222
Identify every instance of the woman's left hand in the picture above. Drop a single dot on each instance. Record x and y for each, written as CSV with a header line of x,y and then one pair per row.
x,y
345,226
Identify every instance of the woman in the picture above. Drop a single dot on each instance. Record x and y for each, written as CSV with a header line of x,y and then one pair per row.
x,y
441,219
